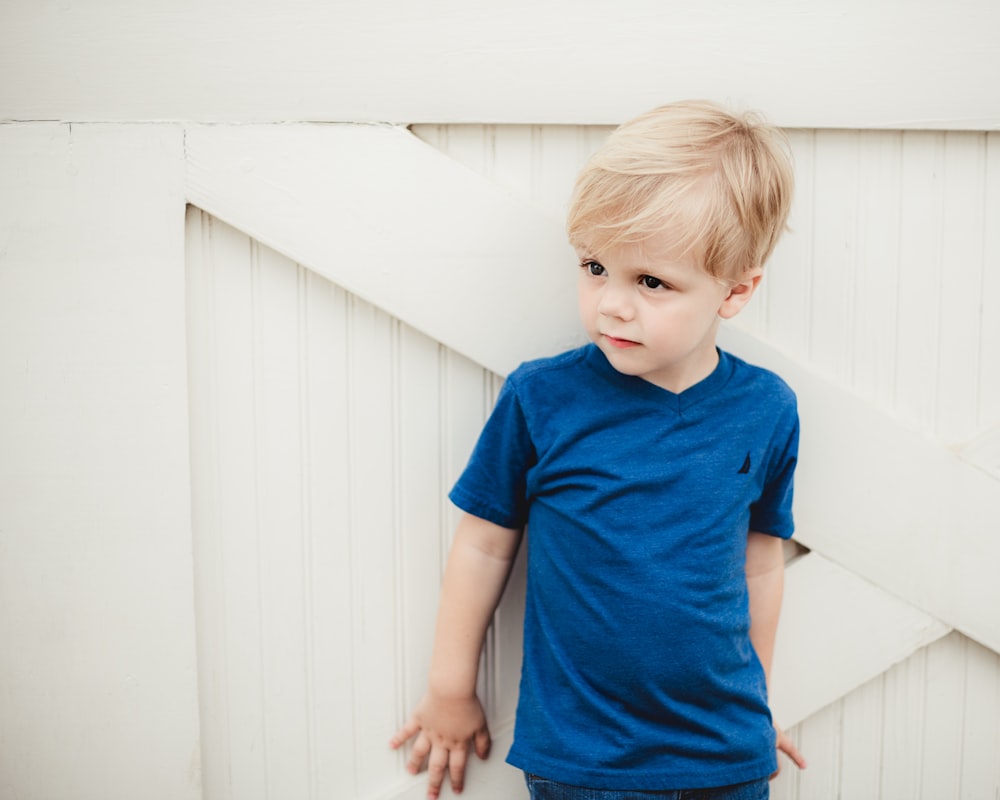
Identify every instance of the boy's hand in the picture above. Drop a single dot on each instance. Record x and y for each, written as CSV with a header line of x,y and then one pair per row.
x,y
443,728
787,746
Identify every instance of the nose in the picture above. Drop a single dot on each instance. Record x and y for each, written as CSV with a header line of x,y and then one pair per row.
x,y
615,301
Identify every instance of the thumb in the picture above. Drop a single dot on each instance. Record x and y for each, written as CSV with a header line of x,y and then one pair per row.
x,y
482,742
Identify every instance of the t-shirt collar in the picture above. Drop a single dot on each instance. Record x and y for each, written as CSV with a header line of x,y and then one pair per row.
x,y
657,394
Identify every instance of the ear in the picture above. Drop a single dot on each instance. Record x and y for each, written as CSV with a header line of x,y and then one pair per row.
x,y
740,293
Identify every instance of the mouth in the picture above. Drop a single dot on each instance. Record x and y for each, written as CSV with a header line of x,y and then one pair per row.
x,y
621,344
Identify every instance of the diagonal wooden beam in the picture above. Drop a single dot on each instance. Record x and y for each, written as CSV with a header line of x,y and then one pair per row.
x,y
897,508
838,631
391,219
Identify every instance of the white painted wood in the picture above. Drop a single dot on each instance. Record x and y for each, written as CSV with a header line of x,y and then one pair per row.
x,y
389,218
97,662
906,725
962,237
819,737
851,64
898,736
837,633
317,597
941,759
914,213
989,349
870,230
920,254
981,725
115,288
861,728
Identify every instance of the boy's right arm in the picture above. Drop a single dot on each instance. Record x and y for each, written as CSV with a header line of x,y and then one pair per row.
x,y
450,715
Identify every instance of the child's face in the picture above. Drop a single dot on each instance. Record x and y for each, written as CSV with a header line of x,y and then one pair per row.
x,y
653,313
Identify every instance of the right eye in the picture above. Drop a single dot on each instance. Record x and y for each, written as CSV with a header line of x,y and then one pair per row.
x,y
592,267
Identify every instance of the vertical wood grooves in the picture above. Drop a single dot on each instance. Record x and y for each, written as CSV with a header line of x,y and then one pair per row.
x,y
355,624
444,536
306,531
938,261
212,349
894,361
984,157
255,301
396,480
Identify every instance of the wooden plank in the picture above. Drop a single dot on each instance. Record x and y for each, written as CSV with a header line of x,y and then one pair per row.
x,y
904,730
929,553
834,262
876,329
819,738
941,757
920,256
820,65
374,531
421,518
981,735
787,291
281,427
963,264
837,632
861,729
99,694
224,463
989,347
387,217
329,508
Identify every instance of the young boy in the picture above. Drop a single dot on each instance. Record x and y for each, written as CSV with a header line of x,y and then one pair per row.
x,y
654,475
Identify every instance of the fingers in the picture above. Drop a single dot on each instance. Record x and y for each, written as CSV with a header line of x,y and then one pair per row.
x,y
456,768
441,758
437,765
404,734
418,755
787,746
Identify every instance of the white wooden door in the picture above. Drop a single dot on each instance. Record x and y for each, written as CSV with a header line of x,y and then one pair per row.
x,y
331,429
313,403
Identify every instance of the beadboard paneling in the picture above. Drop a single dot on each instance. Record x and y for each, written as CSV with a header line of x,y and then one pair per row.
x,y
325,435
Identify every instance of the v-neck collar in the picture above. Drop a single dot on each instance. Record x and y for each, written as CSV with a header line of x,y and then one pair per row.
x,y
640,387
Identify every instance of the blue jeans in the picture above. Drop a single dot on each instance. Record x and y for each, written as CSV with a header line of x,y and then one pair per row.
x,y
542,789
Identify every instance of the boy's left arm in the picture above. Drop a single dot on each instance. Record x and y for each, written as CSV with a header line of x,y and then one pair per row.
x,y
765,568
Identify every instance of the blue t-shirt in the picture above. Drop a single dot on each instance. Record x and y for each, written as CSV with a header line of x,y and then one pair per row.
x,y
638,671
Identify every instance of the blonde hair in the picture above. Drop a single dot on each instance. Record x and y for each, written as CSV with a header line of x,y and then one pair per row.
x,y
721,182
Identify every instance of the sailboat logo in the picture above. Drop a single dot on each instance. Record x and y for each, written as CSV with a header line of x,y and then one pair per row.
x,y
745,469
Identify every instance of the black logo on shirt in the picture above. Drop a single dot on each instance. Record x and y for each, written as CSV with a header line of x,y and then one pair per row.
x,y
745,469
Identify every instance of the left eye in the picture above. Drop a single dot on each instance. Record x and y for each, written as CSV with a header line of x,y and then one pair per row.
x,y
650,282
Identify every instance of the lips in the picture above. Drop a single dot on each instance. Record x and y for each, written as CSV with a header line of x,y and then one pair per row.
x,y
621,344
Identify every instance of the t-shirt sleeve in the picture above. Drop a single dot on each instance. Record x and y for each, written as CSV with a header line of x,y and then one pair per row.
x,y
772,513
493,484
